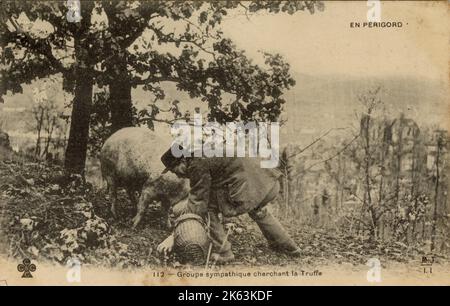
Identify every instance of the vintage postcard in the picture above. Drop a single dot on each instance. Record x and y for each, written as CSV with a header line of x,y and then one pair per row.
x,y
224,142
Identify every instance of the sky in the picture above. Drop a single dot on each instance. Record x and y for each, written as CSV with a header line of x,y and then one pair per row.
x,y
334,63
323,43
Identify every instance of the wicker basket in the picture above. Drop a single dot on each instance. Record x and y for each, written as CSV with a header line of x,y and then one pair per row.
x,y
191,239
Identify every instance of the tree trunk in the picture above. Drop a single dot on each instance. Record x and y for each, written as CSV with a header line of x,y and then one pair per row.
x,y
120,101
119,82
436,196
75,157
50,129
399,161
367,168
79,126
76,150
39,119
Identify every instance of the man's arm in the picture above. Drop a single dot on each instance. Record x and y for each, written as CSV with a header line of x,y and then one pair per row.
x,y
200,183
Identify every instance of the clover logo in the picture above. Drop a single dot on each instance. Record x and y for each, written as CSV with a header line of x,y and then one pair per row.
x,y
26,267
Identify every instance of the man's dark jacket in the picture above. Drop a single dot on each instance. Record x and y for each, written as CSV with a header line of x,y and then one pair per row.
x,y
237,184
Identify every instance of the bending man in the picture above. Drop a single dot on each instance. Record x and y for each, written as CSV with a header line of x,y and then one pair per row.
x,y
231,186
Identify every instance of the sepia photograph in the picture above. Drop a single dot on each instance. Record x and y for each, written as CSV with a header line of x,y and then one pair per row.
x,y
224,143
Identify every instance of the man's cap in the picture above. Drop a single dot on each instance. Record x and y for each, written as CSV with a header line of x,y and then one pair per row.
x,y
169,160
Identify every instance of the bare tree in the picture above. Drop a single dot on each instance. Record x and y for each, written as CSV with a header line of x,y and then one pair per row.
x,y
47,116
38,114
370,101
436,192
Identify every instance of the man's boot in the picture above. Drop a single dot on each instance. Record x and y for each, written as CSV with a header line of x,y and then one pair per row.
x,y
291,250
277,237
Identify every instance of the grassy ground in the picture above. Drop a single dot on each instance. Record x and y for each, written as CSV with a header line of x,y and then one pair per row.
x,y
48,219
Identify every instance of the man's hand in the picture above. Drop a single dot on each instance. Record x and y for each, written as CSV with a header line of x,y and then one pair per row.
x,y
166,246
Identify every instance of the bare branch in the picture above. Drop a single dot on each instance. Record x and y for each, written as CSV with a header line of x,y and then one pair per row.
x,y
333,156
314,142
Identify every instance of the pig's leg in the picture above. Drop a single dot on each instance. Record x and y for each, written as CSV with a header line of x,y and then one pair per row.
x,y
148,194
132,195
112,189
165,212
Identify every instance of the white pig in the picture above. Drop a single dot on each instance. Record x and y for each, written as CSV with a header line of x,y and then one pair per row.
x,y
131,158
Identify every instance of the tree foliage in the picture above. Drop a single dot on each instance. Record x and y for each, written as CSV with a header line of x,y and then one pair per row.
x,y
114,51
